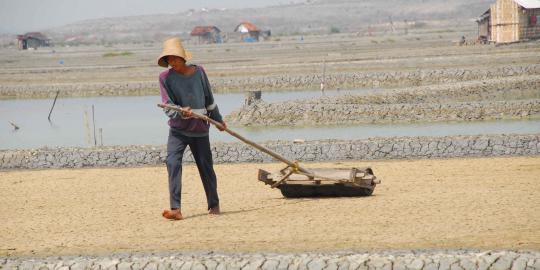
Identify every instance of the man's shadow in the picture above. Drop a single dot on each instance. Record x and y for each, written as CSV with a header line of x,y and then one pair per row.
x,y
234,212
290,201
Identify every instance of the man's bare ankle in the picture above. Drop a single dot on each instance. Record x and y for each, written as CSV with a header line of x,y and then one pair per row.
x,y
175,214
214,211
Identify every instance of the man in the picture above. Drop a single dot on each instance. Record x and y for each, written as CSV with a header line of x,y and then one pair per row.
x,y
187,86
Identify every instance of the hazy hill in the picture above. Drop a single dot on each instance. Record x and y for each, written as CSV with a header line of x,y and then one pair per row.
x,y
309,17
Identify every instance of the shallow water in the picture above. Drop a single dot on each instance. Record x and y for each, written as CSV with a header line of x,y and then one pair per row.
x,y
137,120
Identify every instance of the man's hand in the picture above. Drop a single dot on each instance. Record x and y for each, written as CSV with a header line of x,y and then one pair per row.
x,y
223,126
186,112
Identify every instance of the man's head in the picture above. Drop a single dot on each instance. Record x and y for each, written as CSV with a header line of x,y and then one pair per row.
x,y
173,47
176,62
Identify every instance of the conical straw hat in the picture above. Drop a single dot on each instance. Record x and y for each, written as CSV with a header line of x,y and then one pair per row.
x,y
173,46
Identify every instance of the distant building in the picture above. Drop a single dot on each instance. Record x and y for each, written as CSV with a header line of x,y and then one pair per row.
x,y
510,21
207,34
248,31
484,27
266,34
32,40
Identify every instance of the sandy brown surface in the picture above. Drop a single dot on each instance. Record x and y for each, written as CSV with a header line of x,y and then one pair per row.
x,y
459,203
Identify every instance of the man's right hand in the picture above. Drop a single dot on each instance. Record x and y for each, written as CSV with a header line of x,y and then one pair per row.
x,y
223,126
186,112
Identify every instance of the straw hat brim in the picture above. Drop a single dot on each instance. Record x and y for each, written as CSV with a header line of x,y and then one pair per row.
x,y
162,60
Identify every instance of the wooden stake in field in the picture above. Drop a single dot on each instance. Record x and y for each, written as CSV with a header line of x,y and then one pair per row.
x,y
392,28
54,102
101,136
15,127
87,126
323,80
94,125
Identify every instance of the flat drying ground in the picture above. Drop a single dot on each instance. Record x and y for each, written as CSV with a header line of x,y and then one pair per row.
x,y
485,203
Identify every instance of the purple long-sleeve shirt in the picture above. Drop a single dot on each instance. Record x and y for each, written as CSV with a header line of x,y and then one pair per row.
x,y
192,91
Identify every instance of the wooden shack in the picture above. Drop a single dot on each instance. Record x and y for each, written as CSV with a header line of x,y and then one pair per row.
x,y
510,21
248,31
207,34
32,40
484,27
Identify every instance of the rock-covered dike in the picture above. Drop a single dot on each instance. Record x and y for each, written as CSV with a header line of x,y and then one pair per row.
x,y
383,260
324,150
503,98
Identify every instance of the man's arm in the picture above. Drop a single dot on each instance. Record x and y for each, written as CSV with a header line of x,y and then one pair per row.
x,y
165,99
211,106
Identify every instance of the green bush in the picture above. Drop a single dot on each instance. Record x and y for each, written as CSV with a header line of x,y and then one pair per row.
x,y
114,54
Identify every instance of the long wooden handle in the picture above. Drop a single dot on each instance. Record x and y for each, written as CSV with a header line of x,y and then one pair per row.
x,y
238,136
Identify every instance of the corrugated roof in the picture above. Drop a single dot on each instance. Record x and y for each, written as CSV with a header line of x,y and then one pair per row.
x,y
249,26
484,16
528,4
36,35
201,30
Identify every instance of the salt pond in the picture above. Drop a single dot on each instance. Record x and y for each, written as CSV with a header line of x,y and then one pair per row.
x,y
137,120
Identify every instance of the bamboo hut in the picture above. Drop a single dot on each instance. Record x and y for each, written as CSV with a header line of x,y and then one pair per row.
x,y
207,34
510,21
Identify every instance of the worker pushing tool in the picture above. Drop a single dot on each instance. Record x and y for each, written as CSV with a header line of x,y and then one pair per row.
x,y
187,86
187,99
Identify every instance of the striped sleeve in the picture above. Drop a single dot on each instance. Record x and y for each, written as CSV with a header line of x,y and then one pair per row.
x,y
165,98
209,102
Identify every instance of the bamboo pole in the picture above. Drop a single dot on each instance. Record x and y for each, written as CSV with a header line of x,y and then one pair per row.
x,y
94,125
54,102
220,126
323,81
87,126
101,136
15,127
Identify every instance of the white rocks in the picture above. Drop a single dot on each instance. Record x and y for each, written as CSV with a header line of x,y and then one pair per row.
x,y
270,265
316,264
81,265
123,266
457,260
291,112
494,98
283,82
503,263
324,150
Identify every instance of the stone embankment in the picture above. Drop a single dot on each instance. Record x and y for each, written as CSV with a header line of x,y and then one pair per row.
x,y
500,89
325,150
277,82
503,98
387,260
320,113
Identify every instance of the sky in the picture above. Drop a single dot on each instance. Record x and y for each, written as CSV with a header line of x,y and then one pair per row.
x,y
18,16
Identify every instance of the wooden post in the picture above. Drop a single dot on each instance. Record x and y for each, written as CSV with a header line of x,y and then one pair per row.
x,y
323,80
15,127
391,24
101,136
94,125
87,126
54,102
406,29
252,96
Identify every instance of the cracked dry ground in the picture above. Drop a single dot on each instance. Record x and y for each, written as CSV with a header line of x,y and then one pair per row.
x,y
484,203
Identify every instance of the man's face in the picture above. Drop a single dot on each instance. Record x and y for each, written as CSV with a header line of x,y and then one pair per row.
x,y
176,61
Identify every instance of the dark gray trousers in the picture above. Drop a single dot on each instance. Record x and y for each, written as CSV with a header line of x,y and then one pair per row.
x,y
200,148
